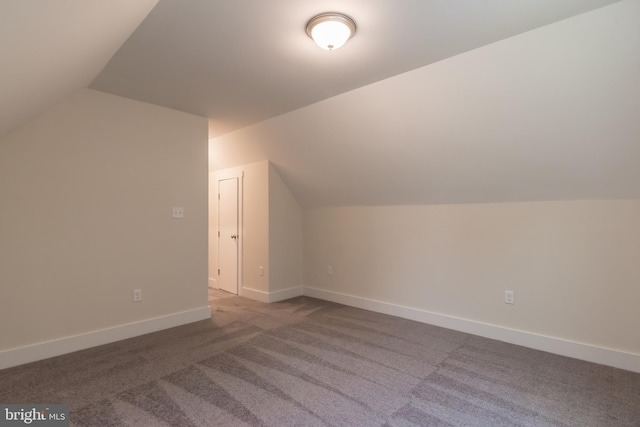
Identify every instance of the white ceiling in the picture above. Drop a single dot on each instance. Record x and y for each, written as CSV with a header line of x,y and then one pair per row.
x,y
433,101
551,114
52,48
239,62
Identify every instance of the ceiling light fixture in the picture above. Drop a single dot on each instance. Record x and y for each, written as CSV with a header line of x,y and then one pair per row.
x,y
331,30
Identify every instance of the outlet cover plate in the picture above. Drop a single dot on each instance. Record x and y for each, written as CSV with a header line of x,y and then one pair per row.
x,y
177,212
509,297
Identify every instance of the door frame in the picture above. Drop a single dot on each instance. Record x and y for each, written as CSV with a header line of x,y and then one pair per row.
x,y
220,176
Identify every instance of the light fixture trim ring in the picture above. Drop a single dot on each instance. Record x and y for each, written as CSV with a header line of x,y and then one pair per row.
x,y
331,17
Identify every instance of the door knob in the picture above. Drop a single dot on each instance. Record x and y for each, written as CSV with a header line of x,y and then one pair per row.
x,y
234,236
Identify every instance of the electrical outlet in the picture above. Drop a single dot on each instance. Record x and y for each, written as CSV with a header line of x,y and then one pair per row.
x,y
261,270
329,271
137,295
509,297
177,212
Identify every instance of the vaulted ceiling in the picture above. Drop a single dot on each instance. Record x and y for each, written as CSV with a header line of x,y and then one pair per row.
x,y
550,114
433,101
239,62
50,49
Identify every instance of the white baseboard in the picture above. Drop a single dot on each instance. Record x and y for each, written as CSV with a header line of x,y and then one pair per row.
x,y
577,350
590,353
275,296
213,283
44,350
254,294
285,294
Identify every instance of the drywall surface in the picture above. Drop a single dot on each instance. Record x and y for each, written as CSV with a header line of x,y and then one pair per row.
x,y
86,217
255,226
573,265
270,231
285,236
551,114
52,49
253,221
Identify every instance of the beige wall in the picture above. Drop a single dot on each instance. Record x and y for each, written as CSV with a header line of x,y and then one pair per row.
x,y
254,235
285,236
255,226
570,263
573,265
271,235
551,114
85,218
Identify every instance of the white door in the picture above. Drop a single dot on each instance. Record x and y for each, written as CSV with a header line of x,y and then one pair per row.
x,y
228,235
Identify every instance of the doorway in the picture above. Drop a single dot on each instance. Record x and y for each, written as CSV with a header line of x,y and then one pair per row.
x,y
228,234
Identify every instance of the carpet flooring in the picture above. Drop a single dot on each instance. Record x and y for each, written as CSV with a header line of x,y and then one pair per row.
x,y
307,362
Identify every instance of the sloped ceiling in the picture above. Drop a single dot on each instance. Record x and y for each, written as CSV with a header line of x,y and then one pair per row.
x,y
551,114
50,49
238,62
452,101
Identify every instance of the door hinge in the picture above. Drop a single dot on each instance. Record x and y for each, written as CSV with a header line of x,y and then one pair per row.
x,y
218,233
218,196
218,272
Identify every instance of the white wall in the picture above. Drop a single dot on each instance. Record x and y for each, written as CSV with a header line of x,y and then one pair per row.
x,y
87,191
255,228
285,236
271,235
551,114
572,265
254,234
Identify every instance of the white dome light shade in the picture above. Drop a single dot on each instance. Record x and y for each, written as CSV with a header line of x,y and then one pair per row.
x,y
330,35
331,30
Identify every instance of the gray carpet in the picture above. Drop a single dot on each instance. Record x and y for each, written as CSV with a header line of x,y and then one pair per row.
x,y
306,362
